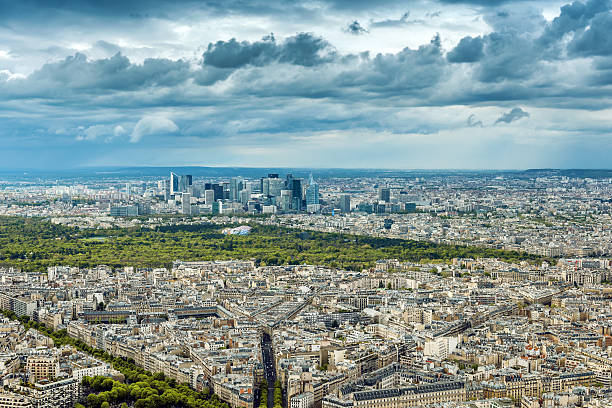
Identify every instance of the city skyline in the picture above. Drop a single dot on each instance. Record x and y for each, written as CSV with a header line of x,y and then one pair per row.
x,y
448,84
305,204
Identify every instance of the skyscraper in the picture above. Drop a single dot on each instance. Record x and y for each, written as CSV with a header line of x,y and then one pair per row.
x,y
265,186
345,203
218,190
297,194
245,195
276,185
180,183
164,188
209,197
285,200
174,183
312,192
186,203
236,185
384,194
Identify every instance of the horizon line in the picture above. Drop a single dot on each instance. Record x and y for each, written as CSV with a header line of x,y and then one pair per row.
x,y
116,167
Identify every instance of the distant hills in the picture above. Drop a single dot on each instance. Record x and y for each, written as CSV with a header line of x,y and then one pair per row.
x,y
253,172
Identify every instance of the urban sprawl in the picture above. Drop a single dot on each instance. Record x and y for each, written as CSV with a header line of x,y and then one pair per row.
x,y
461,332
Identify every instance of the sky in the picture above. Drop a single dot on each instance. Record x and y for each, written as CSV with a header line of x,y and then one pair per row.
x,y
413,84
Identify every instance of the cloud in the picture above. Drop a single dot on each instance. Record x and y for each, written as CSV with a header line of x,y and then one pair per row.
x,y
507,56
512,116
307,50
112,73
104,132
521,20
596,40
355,28
303,49
492,3
119,131
495,67
107,47
405,73
77,73
234,54
4,54
92,132
603,72
212,71
573,17
300,66
7,75
472,122
468,50
152,125
402,21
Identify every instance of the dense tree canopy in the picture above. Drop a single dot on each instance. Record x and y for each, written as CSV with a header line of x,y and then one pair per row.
x,y
34,244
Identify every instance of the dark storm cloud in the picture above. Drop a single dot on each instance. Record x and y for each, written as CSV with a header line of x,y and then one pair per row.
x,y
596,39
302,49
234,54
468,50
307,50
517,49
300,66
412,69
512,116
407,72
355,28
115,73
303,66
507,56
574,16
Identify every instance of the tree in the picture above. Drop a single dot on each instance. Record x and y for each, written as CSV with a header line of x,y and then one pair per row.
x,y
107,384
92,401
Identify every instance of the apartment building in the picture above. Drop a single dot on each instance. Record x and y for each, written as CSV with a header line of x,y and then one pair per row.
x,y
42,368
13,400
